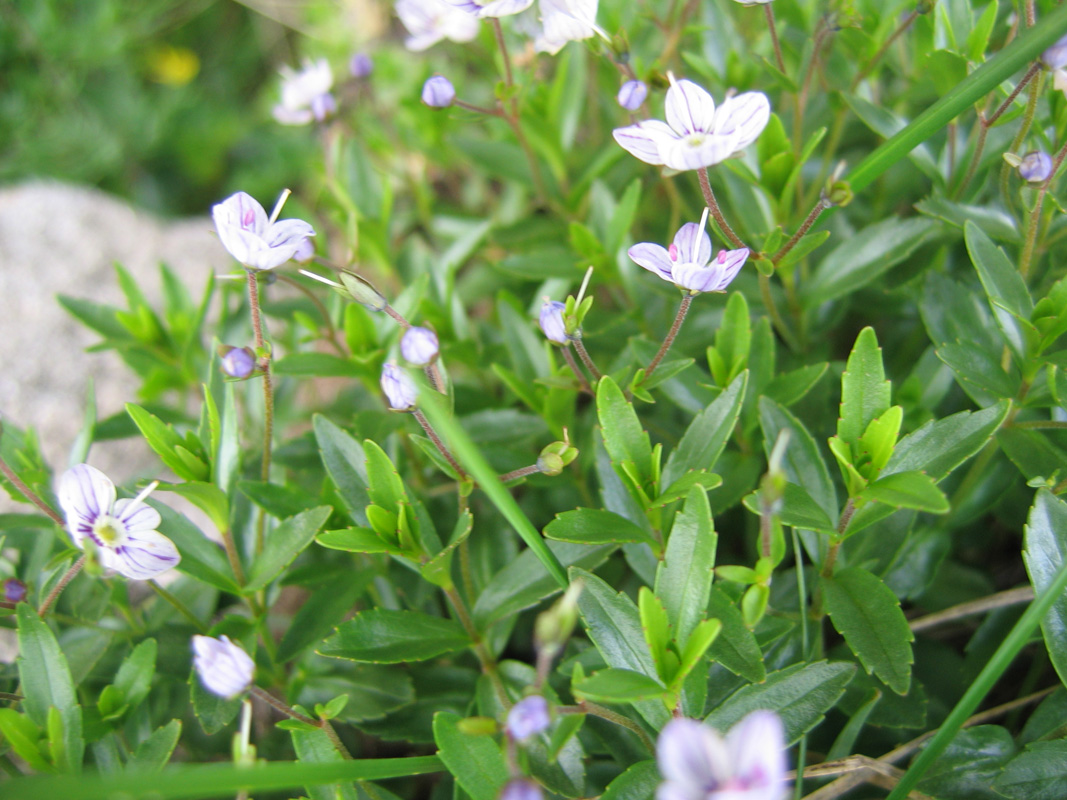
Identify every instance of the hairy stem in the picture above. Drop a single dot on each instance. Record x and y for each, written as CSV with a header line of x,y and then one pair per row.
x,y
583,354
568,356
805,226
425,423
769,14
515,474
679,318
53,595
268,396
30,495
713,207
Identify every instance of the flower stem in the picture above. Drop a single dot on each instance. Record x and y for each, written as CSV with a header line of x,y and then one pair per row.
x,y
769,13
679,318
1020,136
232,556
425,423
568,356
53,595
30,495
434,376
400,319
775,315
713,207
486,659
1032,226
268,396
331,330
979,146
179,606
805,226
515,474
903,26
835,542
583,354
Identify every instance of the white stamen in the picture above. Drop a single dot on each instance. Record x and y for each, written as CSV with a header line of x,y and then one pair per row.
x,y
585,283
703,225
670,77
139,499
278,207
320,279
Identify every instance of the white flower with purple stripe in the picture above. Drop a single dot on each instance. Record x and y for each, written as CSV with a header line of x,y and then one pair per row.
x,y
252,238
124,531
688,262
696,133
430,21
491,8
224,668
699,764
565,21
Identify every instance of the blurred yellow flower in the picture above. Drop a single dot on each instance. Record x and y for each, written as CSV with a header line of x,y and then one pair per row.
x,y
172,66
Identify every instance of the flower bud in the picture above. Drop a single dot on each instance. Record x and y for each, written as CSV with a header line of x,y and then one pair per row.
x,y
528,717
360,66
1035,167
1056,56
14,590
238,362
362,291
438,92
224,668
552,322
550,464
419,346
839,193
632,95
398,387
323,106
553,627
521,789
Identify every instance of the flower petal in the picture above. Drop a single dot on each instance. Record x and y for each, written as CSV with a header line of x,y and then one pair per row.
x,y
502,8
693,244
693,755
698,150
646,140
689,108
743,118
224,668
731,262
85,493
675,790
653,258
568,20
757,752
141,556
141,517
697,277
287,232
241,211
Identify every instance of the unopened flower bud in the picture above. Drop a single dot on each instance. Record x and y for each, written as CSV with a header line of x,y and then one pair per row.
x,y
419,346
14,590
839,193
552,322
1056,56
565,451
1035,167
323,106
438,92
398,387
521,789
550,464
360,66
528,717
224,668
553,627
632,95
362,291
238,362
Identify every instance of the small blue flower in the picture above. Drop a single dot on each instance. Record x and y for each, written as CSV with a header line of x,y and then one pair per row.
x,y
14,590
632,95
399,389
224,668
419,346
1036,167
528,717
360,66
521,789
552,322
239,362
438,92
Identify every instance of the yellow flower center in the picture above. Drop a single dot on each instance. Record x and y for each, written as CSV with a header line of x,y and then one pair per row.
x,y
108,530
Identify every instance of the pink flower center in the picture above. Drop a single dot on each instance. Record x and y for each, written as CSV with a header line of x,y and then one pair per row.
x,y
672,251
721,257
248,218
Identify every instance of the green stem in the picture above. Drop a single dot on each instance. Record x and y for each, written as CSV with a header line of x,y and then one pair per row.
x,y
805,226
776,316
426,426
976,156
30,495
583,382
768,12
179,606
583,354
1020,136
903,26
713,207
486,659
1015,641
1041,424
53,595
268,397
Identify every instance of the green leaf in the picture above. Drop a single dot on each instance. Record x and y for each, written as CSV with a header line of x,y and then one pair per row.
x,y
702,637
1044,553
476,762
386,489
790,387
939,446
321,612
971,763
168,445
384,636
213,712
657,630
797,509
735,647
525,581
908,490
864,389
154,752
862,258
314,747
284,544
976,367
347,465
993,221
23,736
1050,315
134,678
201,558
1038,773
47,683
316,365
624,438
594,526
800,695
208,497
638,782
684,576
803,463
729,356
707,434
685,484
357,540
877,443
867,613
618,686
1002,282
278,500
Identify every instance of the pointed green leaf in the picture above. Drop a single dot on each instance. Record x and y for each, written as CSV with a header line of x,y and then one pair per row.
x,y
735,647
867,613
1044,553
624,437
595,526
476,762
707,434
864,389
939,446
908,490
684,577
284,544
803,463
797,510
347,465
154,752
384,636
657,629
618,686
877,443
1002,282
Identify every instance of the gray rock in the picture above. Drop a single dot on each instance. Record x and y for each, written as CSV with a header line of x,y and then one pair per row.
x,y
62,239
